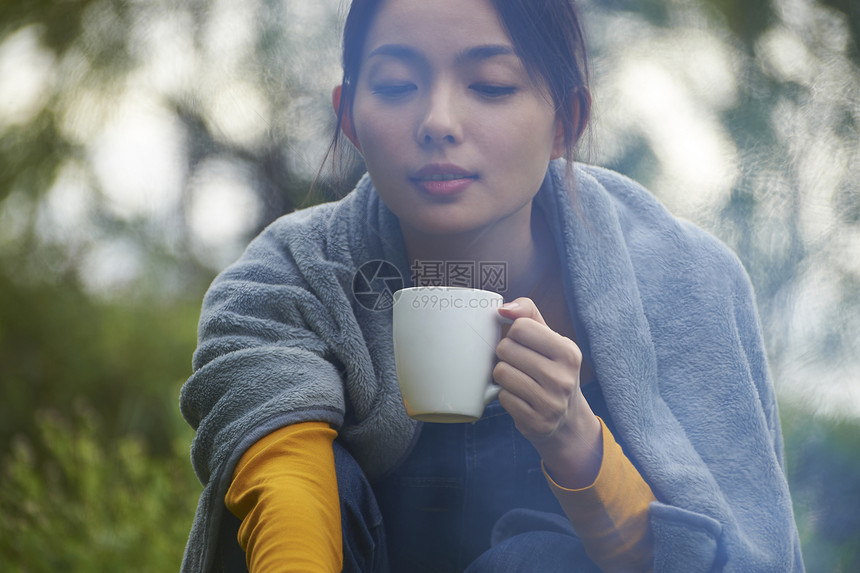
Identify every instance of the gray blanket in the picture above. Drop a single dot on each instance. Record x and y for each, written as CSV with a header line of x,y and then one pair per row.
x,y
674,337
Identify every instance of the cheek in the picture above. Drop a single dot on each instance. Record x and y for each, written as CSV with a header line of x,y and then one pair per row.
x,y
376,130
520,136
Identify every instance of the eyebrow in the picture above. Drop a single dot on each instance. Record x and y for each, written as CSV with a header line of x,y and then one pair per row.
x,y
473,54
484,52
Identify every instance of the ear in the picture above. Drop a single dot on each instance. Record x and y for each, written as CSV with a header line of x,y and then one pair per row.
x,y
581,112
346,125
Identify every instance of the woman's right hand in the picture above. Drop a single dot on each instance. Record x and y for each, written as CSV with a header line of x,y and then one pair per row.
x,y
539,372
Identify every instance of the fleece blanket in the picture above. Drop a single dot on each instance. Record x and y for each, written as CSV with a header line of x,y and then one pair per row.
x,y
668,312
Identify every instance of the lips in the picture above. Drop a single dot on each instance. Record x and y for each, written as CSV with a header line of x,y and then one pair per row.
x,y
443,179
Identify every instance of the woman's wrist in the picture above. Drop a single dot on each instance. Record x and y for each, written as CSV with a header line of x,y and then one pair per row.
x,y
572,457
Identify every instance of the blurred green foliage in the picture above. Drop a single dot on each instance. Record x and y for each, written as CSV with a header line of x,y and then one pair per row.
x,y
95,473
57,344
74,500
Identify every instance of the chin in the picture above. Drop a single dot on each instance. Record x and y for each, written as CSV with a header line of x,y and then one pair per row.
x,y
448,226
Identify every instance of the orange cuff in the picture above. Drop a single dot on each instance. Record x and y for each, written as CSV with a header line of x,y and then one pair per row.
x,y
611,515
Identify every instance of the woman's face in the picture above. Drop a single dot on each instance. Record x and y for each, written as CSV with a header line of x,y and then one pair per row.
x,y
454,134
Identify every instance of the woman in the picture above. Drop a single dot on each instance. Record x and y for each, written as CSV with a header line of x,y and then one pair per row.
x,y
636,428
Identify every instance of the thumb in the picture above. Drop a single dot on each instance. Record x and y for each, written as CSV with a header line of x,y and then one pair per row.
x,y
522,307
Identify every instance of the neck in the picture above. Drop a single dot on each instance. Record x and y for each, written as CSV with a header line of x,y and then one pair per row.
x,y
521,242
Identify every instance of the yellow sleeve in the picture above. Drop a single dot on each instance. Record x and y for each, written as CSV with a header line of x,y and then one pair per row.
x,y
284,491
611,515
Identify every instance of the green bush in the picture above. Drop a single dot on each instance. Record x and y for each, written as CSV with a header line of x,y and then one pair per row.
x,y
126,357
74,501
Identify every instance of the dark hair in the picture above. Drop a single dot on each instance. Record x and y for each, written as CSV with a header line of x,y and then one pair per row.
x,y
547,37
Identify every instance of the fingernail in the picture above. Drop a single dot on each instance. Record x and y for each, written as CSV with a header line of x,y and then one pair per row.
x,y
511,305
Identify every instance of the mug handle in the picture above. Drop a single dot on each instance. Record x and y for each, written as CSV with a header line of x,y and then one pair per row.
x,y
492,391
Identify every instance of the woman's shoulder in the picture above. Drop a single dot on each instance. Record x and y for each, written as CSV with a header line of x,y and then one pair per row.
x,y
322,218
656,236
314,232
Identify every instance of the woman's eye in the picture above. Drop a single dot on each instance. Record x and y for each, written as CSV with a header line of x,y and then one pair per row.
x,y
493,91
393,91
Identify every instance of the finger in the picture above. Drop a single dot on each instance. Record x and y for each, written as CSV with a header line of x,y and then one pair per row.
x,y
546,342
541,401
522,307
528,361
520,410
513,379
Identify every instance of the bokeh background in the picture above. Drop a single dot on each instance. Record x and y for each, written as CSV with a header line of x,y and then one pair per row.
x,y
144,142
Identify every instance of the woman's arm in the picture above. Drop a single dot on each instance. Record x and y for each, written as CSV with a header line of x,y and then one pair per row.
x,y
603,495
611,514
284,491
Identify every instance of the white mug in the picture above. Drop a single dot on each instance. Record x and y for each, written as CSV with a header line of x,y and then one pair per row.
x,y
445,349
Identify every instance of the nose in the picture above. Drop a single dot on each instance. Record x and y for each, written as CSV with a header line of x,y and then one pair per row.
x,y
440,123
